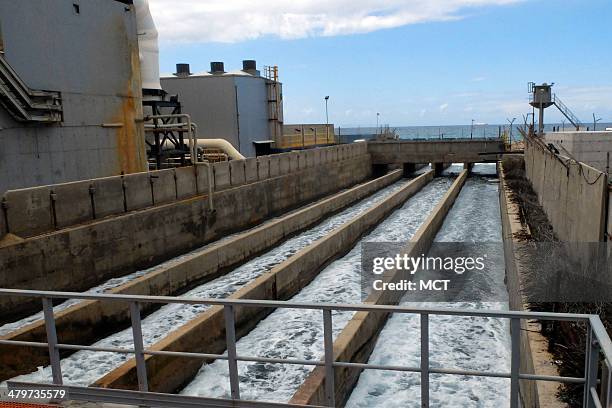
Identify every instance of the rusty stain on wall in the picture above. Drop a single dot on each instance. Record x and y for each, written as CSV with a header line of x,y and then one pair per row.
x,y
130,137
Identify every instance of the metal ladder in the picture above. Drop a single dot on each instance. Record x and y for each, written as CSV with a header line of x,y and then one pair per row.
x,y
25,104
567,112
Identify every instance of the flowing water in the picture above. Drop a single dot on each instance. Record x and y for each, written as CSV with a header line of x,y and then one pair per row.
x,y
85,367
294,333
455,342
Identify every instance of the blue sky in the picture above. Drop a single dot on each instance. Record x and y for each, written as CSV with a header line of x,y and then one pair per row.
x,y
446,65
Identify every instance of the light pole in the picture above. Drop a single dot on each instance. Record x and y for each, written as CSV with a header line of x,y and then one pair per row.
x,y
377,118
472,130
327,118
511,125
563,125
595,122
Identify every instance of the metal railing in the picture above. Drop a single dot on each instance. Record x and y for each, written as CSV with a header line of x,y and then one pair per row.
x,y
598,342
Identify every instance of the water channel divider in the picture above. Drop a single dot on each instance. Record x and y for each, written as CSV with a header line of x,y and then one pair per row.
x,y
90,320
206,333
357,340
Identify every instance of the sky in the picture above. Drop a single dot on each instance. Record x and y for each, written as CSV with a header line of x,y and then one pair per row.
x,y
416,62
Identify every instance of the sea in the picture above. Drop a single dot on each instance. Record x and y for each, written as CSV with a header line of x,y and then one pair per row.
x,y
349,134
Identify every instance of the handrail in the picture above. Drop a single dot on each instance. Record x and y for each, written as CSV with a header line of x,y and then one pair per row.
x,y
598,342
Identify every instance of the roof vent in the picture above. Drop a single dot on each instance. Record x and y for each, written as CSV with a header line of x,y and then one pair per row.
x,y
217,68
182,70
249,65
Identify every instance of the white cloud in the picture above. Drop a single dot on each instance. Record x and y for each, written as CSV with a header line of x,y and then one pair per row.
x,y
443,107
239,20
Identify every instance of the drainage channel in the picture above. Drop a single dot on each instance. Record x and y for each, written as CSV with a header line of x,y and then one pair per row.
x,y
289,333
84,367
465,343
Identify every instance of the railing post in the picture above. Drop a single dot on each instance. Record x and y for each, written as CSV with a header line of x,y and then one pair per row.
x,y
230,339
606,385
591,367
515,363
141,365
54,356
424,360
330,392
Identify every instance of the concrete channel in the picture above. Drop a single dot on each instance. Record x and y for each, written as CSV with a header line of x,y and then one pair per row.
x,y
454,342
85,367
87,321
288,333
206,333
356,342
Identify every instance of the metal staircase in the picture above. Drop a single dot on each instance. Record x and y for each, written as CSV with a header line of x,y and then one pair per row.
x,y
567,112
25,104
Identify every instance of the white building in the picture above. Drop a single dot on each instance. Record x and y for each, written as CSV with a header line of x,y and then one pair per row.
x,y
241,107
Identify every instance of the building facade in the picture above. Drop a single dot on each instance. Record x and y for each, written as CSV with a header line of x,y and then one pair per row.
x,y
86,53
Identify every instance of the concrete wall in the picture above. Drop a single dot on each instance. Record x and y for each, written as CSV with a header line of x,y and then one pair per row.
x,y
92,59
206,333
435,151
358,338
34,211
573,195
94,318
592,148
228,106
77,258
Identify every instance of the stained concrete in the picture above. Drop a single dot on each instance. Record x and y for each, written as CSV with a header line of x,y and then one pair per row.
x,y
93,317
358,338
206,333
80,257
534,354
434,151
573,195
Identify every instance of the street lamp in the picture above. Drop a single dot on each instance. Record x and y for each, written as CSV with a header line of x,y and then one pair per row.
x,y
472,130
326,119
377,118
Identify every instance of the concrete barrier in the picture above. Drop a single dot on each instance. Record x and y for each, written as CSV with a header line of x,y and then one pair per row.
x,y
72,203
87,321
186,184
137,190
358,338
29,211
263,168
274,163
285,162
250,170
221,171
237,173
573,195
108,197
202,178
206,333
163,183
86,255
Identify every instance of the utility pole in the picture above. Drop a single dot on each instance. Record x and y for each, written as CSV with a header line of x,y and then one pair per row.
x,y
511,125
595,122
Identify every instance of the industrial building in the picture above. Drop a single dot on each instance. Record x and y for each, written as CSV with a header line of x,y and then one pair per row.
x,y
70,87
243,107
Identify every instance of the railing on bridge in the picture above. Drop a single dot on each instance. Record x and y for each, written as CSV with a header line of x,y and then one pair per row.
x,y
598,342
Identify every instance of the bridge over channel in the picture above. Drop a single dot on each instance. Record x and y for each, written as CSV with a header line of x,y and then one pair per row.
x,y
435,151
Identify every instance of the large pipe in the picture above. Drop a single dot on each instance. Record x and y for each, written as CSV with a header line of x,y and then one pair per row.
x,y
220,144
147,45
